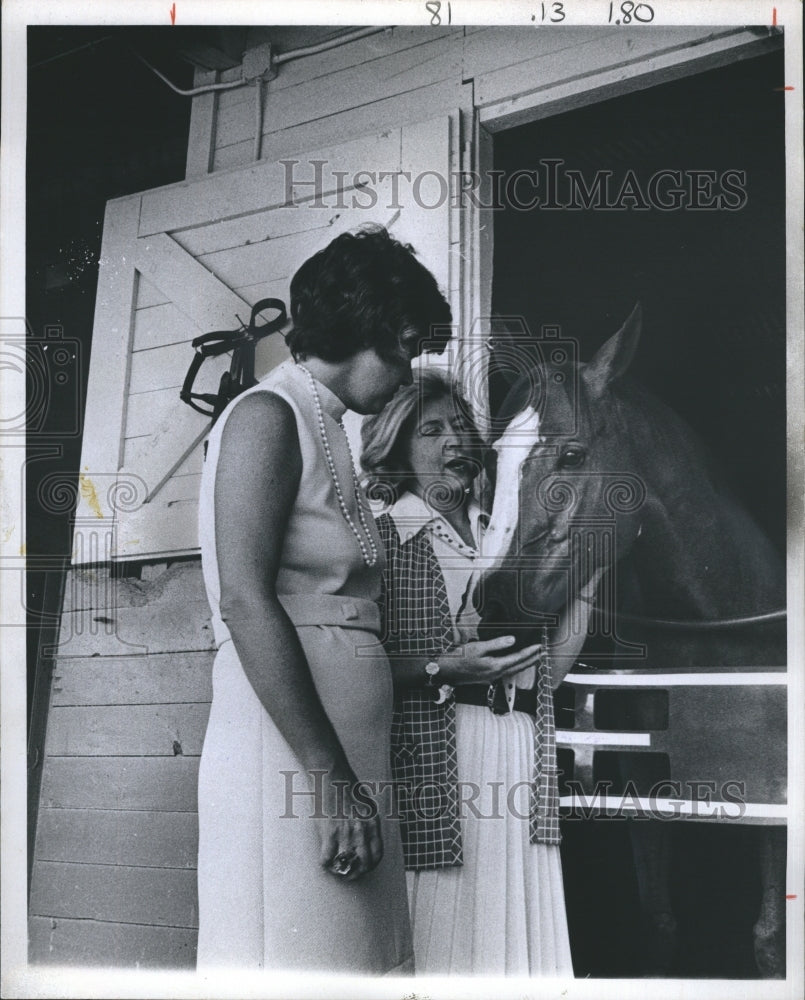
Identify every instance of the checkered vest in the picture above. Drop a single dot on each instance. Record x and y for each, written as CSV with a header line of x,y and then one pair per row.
x,y
416,620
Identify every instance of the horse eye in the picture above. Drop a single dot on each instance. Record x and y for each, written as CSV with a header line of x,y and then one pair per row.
x,y
572,457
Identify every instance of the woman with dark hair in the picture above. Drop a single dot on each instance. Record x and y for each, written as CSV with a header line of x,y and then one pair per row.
x,y
473,722
299,865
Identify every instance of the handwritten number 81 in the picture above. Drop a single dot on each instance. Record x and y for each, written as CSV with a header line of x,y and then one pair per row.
x,y
434,7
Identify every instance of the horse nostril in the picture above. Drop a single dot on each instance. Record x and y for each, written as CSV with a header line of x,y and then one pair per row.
x,y
493,620
493,612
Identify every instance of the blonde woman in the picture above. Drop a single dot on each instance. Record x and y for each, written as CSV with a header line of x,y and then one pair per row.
x,y
484,874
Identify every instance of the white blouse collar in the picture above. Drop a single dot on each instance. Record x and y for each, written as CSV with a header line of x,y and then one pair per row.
x,y
411,514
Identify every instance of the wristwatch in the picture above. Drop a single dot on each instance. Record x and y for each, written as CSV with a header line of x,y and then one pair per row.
x,y
445,690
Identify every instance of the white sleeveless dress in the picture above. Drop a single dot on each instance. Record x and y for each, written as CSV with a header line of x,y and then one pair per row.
x,y
265,902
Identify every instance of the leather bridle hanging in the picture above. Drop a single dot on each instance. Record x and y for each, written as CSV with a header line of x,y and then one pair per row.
x,y
242,343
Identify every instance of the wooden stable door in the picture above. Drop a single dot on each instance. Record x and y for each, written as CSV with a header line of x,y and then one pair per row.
x,y
113,875
194,257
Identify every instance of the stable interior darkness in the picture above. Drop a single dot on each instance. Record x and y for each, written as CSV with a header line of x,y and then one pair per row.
x,y
712,286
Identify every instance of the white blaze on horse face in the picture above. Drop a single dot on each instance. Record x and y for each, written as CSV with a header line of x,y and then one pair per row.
x,y
512,450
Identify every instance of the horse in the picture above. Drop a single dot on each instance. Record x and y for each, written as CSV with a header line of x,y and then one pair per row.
x,y
611,477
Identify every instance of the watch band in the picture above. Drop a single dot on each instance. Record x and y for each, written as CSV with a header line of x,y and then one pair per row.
x,y
445,691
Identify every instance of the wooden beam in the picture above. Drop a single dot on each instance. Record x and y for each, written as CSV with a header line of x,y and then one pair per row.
x,y
190,286
203,116
263,185
161,678
118,837
151,783
60,941
127,730
156,896
104,418
625,63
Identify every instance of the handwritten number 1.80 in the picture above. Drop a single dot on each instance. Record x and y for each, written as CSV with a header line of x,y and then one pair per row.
x,y
434,8
629,12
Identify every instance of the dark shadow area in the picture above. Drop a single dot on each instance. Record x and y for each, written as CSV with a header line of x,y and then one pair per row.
x,y
100,125
712,285
711,281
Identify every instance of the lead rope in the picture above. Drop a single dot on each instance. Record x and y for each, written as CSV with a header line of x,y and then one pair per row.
x,y
544,812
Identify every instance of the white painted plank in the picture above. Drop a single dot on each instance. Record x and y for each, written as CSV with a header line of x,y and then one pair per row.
x,y
494,48
193,464
127,730
609,82
169,532
267,290
259,227
614,48
271,260
203,117
155,896
159,679
157,456
161,325
261,185
392,112
151,783
348,89
61,941
165,368
362,52
95,587
147,409
425,219
118,837
171,628
180,490
106,392
148,295
188,284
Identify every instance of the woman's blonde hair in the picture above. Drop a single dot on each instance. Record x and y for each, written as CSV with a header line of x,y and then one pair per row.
x,y
384,436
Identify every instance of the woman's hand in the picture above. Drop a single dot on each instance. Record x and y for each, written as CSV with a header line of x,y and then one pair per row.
x,y
477,662
350,833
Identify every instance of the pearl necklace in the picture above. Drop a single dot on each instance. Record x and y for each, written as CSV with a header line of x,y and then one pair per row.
x,y
370,554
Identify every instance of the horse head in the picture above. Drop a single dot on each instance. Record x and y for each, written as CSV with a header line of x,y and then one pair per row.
x,y
569,487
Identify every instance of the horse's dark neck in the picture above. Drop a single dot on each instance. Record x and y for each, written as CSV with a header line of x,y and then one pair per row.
x,y
700,555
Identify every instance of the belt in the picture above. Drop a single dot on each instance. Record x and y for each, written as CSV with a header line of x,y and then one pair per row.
x,y
525,699
319,609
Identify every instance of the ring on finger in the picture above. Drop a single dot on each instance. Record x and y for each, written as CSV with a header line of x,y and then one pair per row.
x,y
344,863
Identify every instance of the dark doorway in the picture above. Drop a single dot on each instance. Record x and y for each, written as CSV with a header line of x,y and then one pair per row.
x,y
710,275
711,279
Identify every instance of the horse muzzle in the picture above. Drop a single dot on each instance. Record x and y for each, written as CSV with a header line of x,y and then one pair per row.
x,y
499,601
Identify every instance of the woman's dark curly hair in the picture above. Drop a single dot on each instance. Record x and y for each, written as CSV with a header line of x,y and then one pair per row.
x,y
365,289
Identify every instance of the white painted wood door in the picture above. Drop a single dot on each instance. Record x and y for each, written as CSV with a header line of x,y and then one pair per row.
x,y
193,257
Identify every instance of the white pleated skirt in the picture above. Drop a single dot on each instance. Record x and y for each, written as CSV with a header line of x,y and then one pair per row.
x,y
503,911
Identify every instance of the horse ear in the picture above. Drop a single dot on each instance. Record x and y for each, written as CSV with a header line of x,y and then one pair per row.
x,y
613,359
